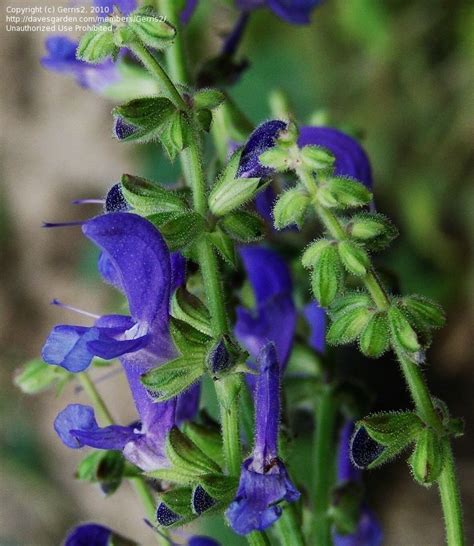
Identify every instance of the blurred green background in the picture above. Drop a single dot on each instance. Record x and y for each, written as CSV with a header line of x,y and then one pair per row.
x,y
398,73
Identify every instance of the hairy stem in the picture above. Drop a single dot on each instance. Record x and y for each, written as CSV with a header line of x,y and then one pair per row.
x,y
324,455
451,501
289,528
257,539
156,70
97,401
418,388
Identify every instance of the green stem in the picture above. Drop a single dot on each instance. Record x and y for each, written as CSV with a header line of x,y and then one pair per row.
x,y
175,55
289,528
451,501
228,393
449,490
96,399
257,539
155,69
324,455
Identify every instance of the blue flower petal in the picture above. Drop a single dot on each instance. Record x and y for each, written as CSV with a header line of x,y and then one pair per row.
x,y
255,505
88,534
188,10
141,258
76,426
316,318
67,346
369,532
267,271
108,348
351,159
108,272
294,11
202,541
188,404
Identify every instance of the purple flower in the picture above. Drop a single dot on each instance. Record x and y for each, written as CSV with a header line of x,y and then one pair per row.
x,y
263,138
61,57
202,541
61,54
188,11
293,11
89,534
316,319
135,260
264,481
273,317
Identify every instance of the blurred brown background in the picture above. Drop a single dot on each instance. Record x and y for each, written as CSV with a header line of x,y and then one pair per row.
x,y
399,71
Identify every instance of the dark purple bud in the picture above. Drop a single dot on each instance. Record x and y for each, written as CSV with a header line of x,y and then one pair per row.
x,y
201,500
165,516
262,139
89,534
364,450
115,201
202,541
122,129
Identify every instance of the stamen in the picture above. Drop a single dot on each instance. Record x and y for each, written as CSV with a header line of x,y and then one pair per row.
x,y
88,202
75,309
62,224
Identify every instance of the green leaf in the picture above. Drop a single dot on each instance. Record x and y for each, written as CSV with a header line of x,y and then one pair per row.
x,y
208,439
291,208
186,456
375,338
208,99
347,326
170,379
187,338
428,458
148,197
204,119
327,276
224,245
179,229
175,134
402,333
230,193
37,376
104,467
97,45
343,193
388,428
151,28
148,115
220,487
190,309
243,226
354,258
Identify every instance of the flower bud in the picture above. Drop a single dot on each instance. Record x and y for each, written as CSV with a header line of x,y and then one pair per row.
x,y
348,325
403,334
275,158
424,313
208,99
344,193
312,253
152,29
327,276
97,45
368,226
222,356
317,158
375,337
291,208
231,192
354,258
428,458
